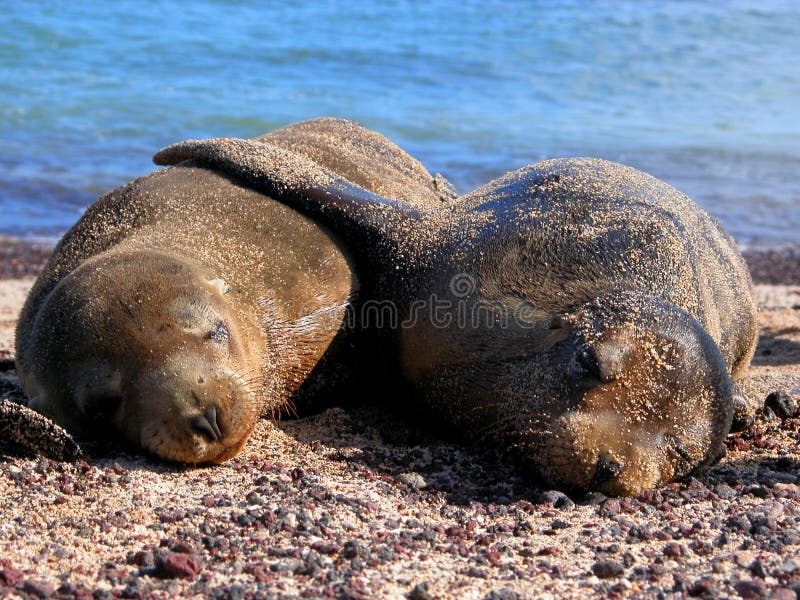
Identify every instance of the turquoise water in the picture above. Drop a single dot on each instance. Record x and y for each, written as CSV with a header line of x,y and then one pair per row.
x,y
705,95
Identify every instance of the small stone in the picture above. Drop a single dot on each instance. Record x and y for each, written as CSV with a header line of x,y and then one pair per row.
x,y
744,558
702,547
725,491
503,594
414,480
652,497
325,547
351,550
788,568
757,569
144,558
640,532
611,507
39,587
10,576
174,565
737,523
476,572
557,499
674,550
420,592
701,587
289,565
750,589
172,516
783,593
759,491
782,404
183,548
605,569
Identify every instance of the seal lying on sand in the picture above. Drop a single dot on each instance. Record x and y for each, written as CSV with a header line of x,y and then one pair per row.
x,y
582,312
185,303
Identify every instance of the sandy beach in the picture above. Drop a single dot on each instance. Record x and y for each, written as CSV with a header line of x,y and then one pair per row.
x,y
356,504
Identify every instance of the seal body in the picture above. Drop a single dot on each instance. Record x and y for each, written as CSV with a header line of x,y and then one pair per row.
x,y
583,313
185,304
599,318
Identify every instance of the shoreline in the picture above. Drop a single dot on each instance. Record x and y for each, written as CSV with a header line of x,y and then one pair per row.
x,y
779,265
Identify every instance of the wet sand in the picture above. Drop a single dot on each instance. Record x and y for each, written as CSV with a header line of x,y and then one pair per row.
x,y
358,505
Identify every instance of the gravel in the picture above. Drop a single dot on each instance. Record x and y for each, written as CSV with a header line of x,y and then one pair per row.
x,y
356,504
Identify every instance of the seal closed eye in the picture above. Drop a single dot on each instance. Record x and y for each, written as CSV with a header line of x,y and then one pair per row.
x,y
651,301
186,303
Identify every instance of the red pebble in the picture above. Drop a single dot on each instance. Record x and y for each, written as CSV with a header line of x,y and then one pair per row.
x,y
182,566
10,576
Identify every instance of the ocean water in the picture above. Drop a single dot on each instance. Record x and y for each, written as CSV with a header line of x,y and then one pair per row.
x,y
705,95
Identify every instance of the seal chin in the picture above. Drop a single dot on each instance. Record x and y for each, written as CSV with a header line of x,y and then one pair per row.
x,y
192,411
600,451
190,447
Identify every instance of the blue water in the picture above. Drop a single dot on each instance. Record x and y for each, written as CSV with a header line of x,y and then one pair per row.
x,y
705,95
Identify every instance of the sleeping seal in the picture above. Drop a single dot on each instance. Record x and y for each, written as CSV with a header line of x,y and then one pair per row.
x,y
583,313
186,303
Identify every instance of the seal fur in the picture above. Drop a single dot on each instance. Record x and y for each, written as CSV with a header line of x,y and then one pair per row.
x,y
614,313
186,303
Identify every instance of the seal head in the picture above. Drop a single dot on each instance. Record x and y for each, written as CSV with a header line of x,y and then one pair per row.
x,y
154,351
637,394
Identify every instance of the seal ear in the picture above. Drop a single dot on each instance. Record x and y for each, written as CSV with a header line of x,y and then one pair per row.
x,y
349,210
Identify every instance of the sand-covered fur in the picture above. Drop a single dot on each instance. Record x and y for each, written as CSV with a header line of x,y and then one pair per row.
x,y
185,304
597,315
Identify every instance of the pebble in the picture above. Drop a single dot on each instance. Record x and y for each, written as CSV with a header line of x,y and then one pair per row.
x,y
750,589
744,558
759,491
351,550
782,404
175,565
10,576
291,565
724,491
326,547
758,569
420,592
557,500
503,594
414,480
738,523
702,587
605,569
674,550
39,587
788,568
783,593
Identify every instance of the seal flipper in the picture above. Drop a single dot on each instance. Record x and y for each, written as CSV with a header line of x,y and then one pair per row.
x,y
356,214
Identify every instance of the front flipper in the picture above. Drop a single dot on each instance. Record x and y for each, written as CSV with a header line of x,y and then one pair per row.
x,y
25,432
291,178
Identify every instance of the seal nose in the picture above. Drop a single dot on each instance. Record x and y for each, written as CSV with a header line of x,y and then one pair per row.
x,y
207,424
605,470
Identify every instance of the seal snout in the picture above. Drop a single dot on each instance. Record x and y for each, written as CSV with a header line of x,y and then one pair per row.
x,y
606,470
207,424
